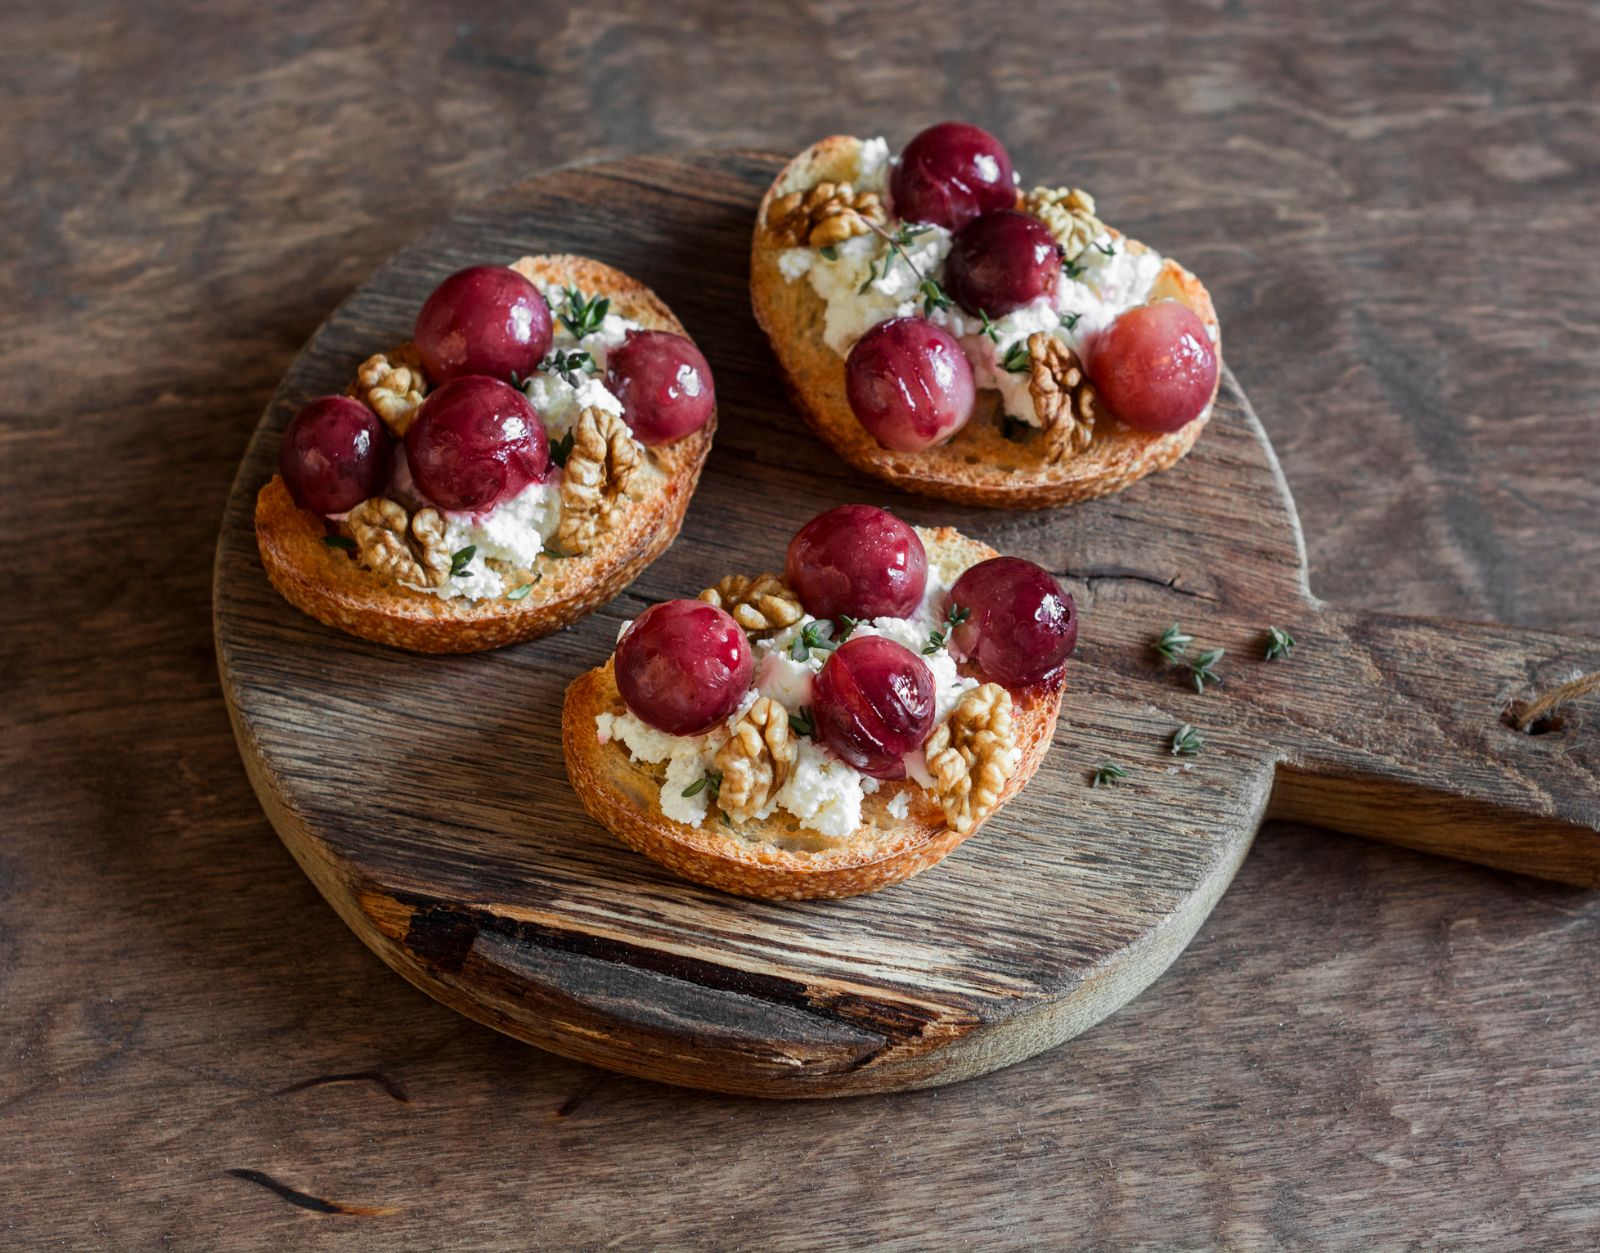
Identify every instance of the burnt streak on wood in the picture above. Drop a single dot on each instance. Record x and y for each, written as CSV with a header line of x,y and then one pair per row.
x,y
304,1200
483,881
375,1077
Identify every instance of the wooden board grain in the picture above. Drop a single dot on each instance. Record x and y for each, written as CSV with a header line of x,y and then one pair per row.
x,y
425,796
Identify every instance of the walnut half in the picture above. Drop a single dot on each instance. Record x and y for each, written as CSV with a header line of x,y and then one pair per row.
x,y
829,213
1069,213
392,385
594,482
1063,396
396,546
756,760
758,603
972,754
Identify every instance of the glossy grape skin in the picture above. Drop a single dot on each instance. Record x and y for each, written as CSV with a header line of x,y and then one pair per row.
x,y
873,704
1155,366
486,319
910,384
664,385
334,455
857,561
1001,262
683,666
474,443
951,173
1020,626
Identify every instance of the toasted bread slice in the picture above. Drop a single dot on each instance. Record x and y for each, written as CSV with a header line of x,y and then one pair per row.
x,y
979,466
327,584
778,859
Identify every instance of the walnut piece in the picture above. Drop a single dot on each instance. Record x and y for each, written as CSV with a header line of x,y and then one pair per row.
x,y
594,483
756,760
829,213
395,546
1069,213
971,755
1063,396
392,385
759,604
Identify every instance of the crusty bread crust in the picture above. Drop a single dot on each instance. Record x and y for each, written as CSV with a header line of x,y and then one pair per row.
x,y
328,585
773,860
979,466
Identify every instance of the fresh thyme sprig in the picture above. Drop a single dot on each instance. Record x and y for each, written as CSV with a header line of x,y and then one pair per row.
x,y
1109,250
561,449
804,722
461,559
1070,320
844,624
584,314
1018,360
1279,644
1106,774
1202,671
988,327
571,365
1173,642
521,593
814,635
956,615
933,296
711,780
1186,742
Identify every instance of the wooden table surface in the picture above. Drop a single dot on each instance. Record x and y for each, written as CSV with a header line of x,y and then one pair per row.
x,y
1395,207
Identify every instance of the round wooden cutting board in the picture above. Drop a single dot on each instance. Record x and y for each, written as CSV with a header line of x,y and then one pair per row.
x,y
426,796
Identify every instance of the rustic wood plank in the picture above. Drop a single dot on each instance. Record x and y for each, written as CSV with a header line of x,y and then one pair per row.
x,y
1393,205
470,867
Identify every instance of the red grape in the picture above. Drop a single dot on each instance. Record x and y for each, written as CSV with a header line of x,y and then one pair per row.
x,y
683,666
910,384
486,319
335,454
951,173
873,704
664,385
857,561
1155,366
476,442
1002,261
1020,624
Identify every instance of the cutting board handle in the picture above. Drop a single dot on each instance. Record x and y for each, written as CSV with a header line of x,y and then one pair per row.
x,y
1406,732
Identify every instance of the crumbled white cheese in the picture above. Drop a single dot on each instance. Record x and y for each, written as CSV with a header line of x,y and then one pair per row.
x,y
514,531
867,283
823,792
872,165
899,805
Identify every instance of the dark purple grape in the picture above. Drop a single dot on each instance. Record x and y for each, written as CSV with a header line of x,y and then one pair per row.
x,y
859,562
951,173
476,442
1001,262
873,704
486,319
910,384
335,454
1020,625
683,666
664,385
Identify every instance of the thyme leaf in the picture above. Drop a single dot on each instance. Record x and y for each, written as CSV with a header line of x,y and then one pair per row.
x,y
584,314
1107,773
1173,642
461,559
956,615
1186,742
1201,668
1279,644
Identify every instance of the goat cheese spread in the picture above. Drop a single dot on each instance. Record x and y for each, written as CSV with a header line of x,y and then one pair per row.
x,y
822,792
866,282
517,530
